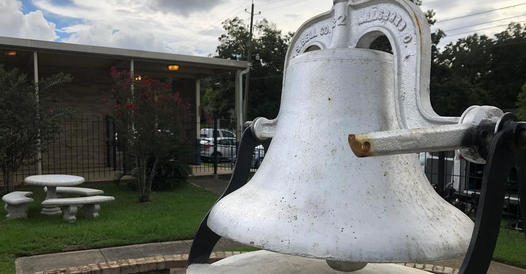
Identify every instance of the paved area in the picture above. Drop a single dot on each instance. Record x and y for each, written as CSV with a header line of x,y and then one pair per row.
x,y
209,170
210,183
494,268
31,264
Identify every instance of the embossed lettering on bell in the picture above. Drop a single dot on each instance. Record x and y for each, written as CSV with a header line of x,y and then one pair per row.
x,y
312,196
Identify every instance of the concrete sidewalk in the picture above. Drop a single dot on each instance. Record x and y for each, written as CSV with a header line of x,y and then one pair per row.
x,y
32,264
494,268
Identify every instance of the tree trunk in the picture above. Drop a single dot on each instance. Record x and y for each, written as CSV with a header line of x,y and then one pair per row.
x,y
144,197
145,178
152,175
143,181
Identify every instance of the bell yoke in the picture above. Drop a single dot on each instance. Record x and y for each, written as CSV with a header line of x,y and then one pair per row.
x,y
312,196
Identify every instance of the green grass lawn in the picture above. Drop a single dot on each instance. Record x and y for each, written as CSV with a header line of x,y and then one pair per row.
x,y
172,215
511,248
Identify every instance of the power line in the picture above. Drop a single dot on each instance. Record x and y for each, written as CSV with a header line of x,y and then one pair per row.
x,y
505,44
456,34
479,13
507,18
234,11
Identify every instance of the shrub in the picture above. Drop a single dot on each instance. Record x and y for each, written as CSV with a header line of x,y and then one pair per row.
x,y
170,175
23,121
150,123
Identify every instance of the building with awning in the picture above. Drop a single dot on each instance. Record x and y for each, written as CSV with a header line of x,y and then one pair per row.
x,y
90,68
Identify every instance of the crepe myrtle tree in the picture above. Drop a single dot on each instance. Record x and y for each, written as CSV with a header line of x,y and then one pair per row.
x,y
23,121
149,122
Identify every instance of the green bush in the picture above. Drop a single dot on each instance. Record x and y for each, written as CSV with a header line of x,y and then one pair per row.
x,y
25,118
170,175
150,123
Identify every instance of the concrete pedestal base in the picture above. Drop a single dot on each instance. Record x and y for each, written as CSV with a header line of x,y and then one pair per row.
x,y
269,262
51,193
51,211
16,211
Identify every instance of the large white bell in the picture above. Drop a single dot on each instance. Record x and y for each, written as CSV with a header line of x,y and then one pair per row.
x,y
313,197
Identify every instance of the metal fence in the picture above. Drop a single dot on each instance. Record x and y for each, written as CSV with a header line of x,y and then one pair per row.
x,y
218,154
83,146
459,182
90,147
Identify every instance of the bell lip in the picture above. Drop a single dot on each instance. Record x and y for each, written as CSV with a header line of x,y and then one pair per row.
x,y
443,254
340,259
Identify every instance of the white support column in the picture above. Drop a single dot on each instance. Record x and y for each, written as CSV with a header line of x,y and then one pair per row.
x,y
239,103
198,107
132,77
132,88
37,97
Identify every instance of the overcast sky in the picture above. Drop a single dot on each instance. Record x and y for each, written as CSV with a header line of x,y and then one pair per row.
x,y
192,26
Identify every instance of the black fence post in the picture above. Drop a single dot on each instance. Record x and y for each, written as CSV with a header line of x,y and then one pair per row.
x,y
441,184
109,143
114,142
215,146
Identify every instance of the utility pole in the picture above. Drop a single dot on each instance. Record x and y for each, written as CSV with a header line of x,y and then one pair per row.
x,y
249,59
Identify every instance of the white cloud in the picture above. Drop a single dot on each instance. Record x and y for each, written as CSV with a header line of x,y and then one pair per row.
x,y
14,23
184,7
106,35
160,25
136,25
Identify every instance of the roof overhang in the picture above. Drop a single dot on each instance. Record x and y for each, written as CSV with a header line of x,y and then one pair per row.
x,y
196,65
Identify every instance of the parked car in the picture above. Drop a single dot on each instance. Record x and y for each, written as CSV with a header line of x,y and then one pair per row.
x,y
257,156
226,149
207,133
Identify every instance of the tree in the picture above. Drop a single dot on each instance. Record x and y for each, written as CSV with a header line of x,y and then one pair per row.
x,y
508,65
23,121
269,50
219,94
150,123
489,69
456,74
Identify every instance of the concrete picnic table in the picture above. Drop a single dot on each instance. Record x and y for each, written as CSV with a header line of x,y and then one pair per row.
x,y
52,181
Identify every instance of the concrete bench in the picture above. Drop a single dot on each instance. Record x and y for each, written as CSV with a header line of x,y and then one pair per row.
x,y
70,206
81,191
16,204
